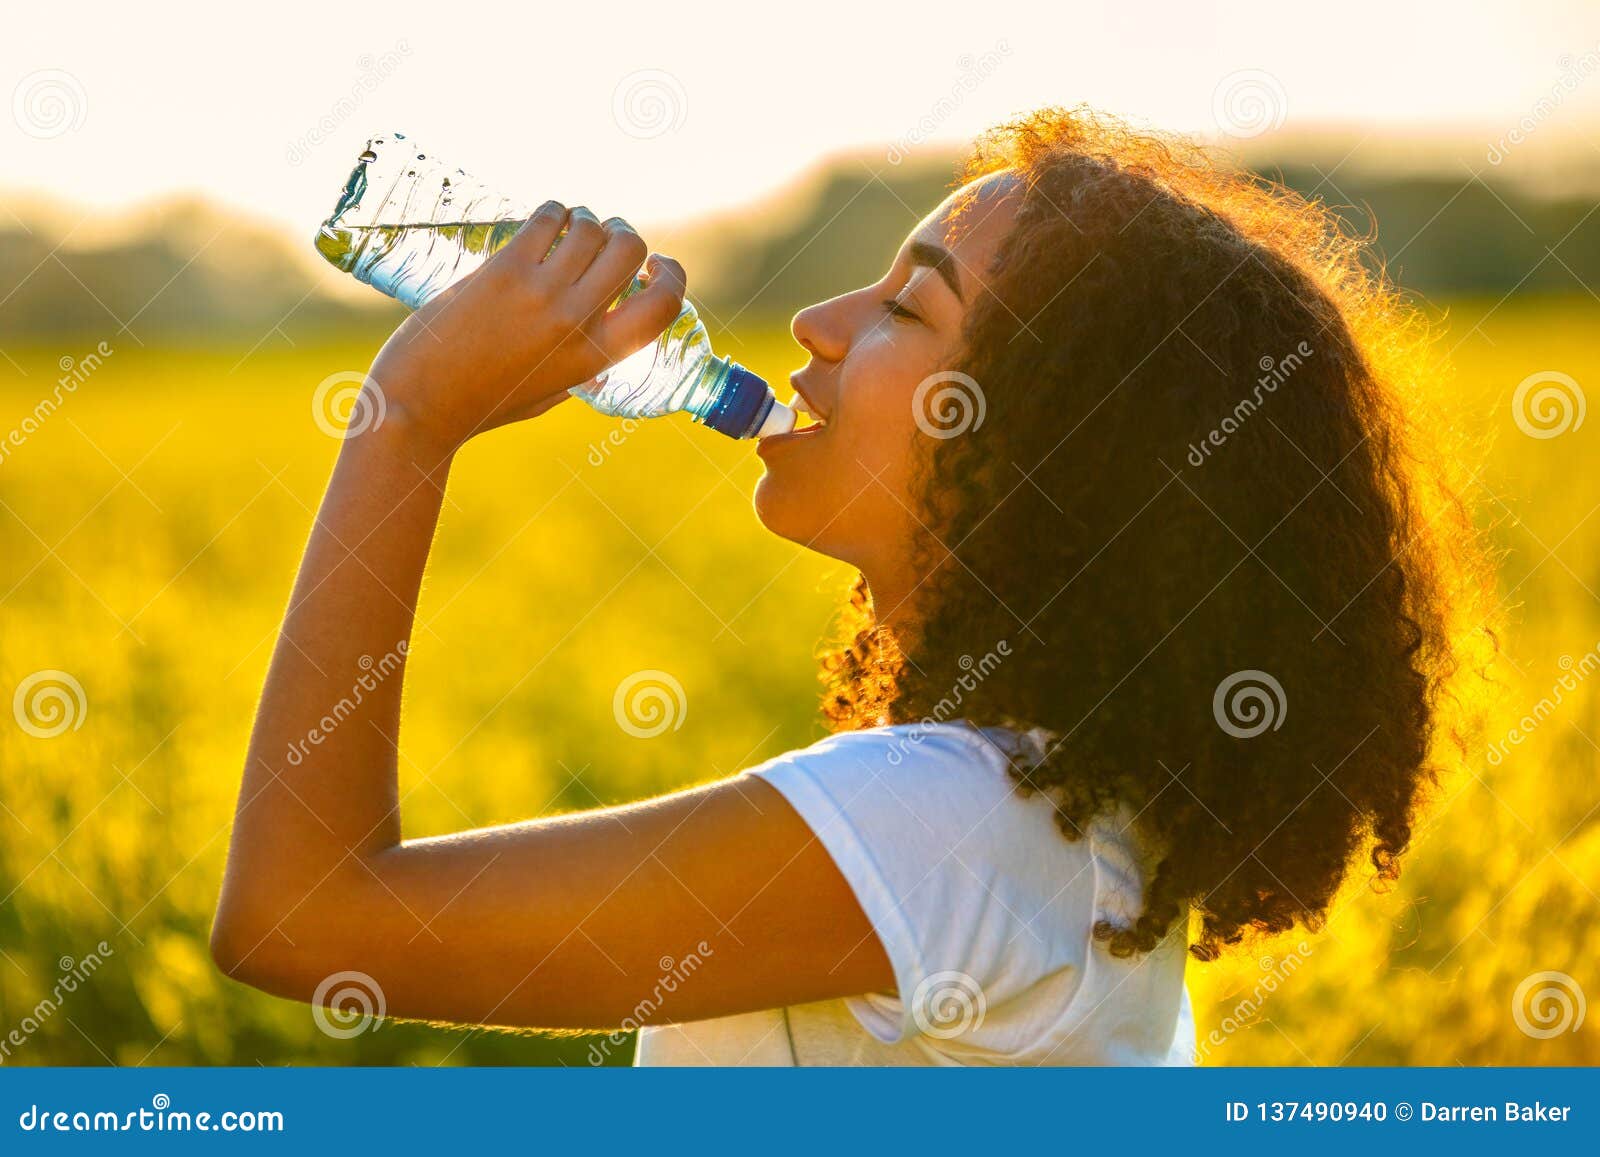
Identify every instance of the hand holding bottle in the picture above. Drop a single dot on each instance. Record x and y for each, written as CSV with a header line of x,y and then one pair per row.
x,y
507,342
412,227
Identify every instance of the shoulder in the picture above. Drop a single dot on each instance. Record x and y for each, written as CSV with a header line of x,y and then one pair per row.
x,y
939,815
961,874
949,806
953,753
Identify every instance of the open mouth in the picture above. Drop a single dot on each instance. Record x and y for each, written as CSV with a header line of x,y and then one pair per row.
x,y
806,425
808,417
809,420
804,420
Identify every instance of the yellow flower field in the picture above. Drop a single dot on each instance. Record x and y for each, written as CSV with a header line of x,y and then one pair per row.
x,y
149,529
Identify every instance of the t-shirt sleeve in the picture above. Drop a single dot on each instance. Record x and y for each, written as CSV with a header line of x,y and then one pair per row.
x,y
973,892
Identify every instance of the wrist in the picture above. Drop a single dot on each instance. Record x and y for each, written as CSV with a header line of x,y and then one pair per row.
x,y
403,435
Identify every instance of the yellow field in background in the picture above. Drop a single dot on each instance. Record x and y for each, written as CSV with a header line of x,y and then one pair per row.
x,y
149,530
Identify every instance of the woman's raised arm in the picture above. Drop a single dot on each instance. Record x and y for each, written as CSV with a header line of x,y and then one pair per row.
x,y
557,923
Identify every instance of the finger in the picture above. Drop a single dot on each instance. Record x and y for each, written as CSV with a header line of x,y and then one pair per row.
x,y
614,269
641,319
573,252
538,233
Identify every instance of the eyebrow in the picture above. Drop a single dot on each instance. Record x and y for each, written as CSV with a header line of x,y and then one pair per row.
x,y
941,261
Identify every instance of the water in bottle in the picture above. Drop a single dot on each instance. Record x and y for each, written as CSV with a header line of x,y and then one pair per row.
x,y
411,226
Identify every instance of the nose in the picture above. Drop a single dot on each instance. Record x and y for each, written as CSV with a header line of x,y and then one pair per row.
x,y
823,330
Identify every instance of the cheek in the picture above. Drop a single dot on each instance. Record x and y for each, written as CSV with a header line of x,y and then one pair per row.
x,y
875,407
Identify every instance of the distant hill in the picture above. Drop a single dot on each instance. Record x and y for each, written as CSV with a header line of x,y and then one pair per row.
x,y
190,270
181,268
1438,235
1454,235
837,228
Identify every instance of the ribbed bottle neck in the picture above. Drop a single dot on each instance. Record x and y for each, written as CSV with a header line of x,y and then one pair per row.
x,y
738,401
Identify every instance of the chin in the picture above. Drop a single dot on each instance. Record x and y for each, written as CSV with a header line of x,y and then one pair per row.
x,y
787,513
777,509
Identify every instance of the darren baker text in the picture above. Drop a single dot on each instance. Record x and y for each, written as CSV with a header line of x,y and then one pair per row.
x,y
1512,1112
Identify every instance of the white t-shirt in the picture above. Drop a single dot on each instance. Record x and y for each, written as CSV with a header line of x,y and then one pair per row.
x,y
985,911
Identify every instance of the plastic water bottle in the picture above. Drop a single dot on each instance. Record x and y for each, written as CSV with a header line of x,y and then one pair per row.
x,y
411,226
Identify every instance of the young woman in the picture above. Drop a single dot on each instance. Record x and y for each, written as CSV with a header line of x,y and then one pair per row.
x,y
1166,586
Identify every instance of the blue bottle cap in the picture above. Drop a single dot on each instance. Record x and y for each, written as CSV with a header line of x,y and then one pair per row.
x,y
741,405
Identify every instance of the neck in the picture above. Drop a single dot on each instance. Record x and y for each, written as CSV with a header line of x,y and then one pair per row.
x,y
900,585
894,604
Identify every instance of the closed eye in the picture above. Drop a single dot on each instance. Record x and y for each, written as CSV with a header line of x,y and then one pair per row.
x,y
893,307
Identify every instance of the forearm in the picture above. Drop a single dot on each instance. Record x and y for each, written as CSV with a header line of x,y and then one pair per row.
x,y
319,793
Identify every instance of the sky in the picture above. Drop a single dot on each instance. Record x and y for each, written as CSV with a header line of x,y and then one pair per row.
x,y
660,112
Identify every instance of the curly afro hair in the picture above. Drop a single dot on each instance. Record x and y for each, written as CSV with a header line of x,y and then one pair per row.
x,y
1217,518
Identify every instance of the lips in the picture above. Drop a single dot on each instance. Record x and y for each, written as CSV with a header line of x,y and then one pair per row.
x,y
804,403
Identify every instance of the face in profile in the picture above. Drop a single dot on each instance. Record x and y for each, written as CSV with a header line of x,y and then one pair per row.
x,y
841,485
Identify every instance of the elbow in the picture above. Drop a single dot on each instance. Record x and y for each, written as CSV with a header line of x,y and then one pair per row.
x,y
250,947
239,945
284,948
